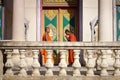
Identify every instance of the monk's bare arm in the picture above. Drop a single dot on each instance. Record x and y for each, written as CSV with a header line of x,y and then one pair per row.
x,y
67,37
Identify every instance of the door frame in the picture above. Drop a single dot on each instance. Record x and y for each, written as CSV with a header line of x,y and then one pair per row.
x,y
39,8
59,26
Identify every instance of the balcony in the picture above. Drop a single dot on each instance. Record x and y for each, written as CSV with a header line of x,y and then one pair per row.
x,y
94,69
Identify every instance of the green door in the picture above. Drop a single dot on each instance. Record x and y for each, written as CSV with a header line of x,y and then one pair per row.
x,y
118,22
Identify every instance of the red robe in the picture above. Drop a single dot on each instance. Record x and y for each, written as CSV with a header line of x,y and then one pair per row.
x,y
45,37
71,38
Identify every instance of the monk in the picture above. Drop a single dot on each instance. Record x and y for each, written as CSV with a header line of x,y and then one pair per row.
x,y
70,37
46,37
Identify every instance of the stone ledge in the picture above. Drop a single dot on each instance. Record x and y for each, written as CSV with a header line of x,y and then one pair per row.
x,y
60,78
58,45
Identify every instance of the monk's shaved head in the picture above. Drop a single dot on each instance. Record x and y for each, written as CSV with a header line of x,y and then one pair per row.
x,y
67,31
47,29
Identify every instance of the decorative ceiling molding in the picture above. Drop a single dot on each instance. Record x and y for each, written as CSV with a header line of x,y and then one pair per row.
x,y
59,2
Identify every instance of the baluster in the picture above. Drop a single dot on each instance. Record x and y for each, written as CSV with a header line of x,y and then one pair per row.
x,y
104,64
117,63
9,63
49,63
22,64
1,62
76,65
62,63
35,64
90,64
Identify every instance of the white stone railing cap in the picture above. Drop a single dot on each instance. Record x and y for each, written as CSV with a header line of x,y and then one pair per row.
x,y
58,45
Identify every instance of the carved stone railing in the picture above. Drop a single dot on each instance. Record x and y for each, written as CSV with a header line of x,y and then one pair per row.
x,y
7,48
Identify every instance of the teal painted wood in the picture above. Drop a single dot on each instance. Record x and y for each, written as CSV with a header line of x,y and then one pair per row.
x,y
118,22
0,22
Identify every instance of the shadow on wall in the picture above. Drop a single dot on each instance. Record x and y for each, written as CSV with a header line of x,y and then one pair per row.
x,y
78,31
8,19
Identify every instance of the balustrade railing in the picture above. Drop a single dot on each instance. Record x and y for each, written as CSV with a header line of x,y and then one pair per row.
x,y
78,48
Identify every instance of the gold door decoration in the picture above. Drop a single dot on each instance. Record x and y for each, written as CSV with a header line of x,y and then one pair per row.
x,y
59,2
50,19
68,21
58,20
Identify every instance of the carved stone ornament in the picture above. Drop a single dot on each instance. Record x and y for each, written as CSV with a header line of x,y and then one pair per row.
x,y
59,2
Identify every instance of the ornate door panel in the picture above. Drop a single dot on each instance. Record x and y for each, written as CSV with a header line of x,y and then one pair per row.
x,y
58,20
1,22
68,21
50,19
118,23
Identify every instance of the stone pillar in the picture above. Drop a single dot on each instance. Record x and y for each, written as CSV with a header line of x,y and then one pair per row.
x,y
104,63
35,64
62,63
38,20
90,64
9,63
106,20
106,28
22,64
117,63
76,65
18,33
49,65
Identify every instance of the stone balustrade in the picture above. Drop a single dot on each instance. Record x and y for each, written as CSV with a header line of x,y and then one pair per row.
x,y
62,69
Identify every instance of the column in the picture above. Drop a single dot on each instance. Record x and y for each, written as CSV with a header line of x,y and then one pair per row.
x,y
38,20
18,20
106,28
105,20
18,33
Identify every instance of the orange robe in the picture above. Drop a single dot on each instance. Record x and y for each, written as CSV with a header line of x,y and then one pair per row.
x,y
71,38
43,51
